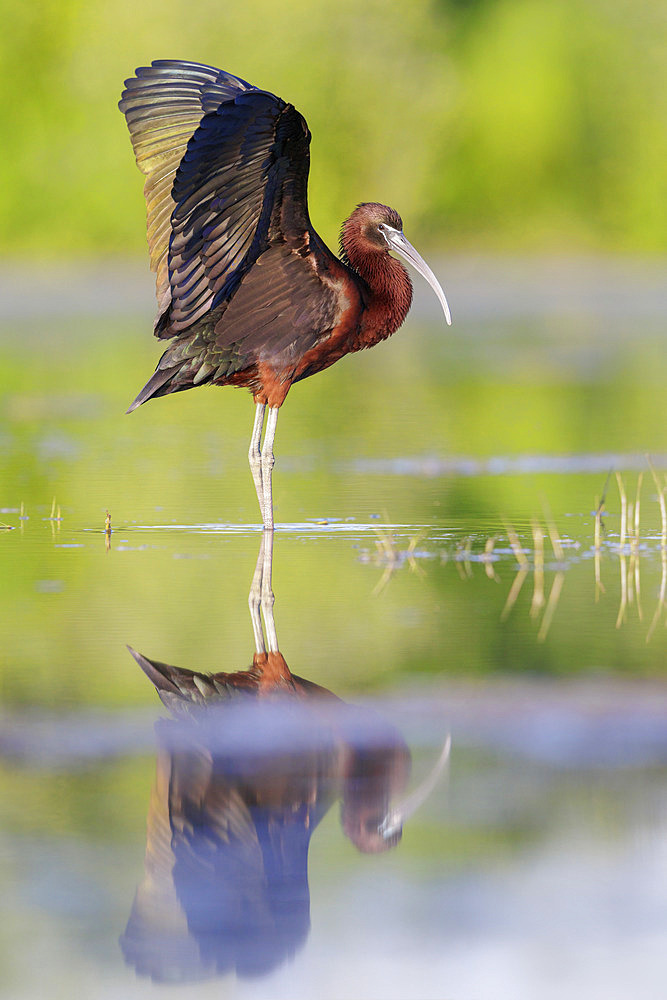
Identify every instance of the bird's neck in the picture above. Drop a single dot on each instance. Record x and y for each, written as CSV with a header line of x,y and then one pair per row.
x,y
390,288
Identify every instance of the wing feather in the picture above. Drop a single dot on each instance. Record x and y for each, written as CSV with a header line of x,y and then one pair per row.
x,y
281,309
230,183
163,105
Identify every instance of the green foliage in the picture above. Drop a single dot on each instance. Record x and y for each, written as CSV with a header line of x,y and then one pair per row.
x,y
503,123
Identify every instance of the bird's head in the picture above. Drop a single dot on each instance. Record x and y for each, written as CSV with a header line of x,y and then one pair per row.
x,y
369,819
367,828
374,228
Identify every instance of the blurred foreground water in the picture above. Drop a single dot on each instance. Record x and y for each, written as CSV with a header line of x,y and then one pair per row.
x,y
438,569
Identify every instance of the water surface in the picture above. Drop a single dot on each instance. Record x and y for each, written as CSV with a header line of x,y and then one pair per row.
x,y
437,567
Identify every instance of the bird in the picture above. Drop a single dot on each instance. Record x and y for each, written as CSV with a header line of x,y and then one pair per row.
x,y
248,293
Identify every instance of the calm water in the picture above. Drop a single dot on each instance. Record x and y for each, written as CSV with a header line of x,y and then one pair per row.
x,y
437,568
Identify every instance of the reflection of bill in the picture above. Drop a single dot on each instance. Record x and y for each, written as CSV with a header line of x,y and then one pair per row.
x,y
247,767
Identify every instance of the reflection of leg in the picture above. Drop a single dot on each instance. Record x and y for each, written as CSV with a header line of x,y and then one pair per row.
x,y
255,600
267,467
267,598
255,455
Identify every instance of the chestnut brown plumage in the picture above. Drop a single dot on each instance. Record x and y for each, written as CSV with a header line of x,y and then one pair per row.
x,y
247,291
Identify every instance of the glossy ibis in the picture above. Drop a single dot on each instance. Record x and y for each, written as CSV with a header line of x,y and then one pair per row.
x,y
248,293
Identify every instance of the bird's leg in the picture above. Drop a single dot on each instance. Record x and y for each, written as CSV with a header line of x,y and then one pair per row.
x,y
255,600
261,599
267,598
268,462
255,456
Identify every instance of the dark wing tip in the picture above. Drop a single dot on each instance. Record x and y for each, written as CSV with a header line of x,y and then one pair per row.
x,y
168,70
152,387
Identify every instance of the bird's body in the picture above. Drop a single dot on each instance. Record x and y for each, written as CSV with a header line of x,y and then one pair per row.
x,y
248,293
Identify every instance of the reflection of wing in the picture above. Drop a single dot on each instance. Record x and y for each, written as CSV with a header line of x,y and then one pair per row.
x,y
229,827
180,688
164,105
241,875
225,884
241,180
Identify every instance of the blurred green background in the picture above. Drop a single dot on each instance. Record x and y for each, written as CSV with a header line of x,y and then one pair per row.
x,y
497,124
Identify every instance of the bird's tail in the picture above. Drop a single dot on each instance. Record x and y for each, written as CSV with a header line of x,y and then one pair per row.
x,y
152,387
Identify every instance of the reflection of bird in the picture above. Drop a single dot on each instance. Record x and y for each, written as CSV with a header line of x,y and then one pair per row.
x,y
228,832
371,767
247,291
248,765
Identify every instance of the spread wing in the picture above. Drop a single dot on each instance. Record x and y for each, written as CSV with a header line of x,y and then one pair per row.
x,y
244,162
164,105
240,183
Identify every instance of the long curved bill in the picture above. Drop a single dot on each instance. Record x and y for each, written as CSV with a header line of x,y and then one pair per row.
x,y
395,818
402,246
